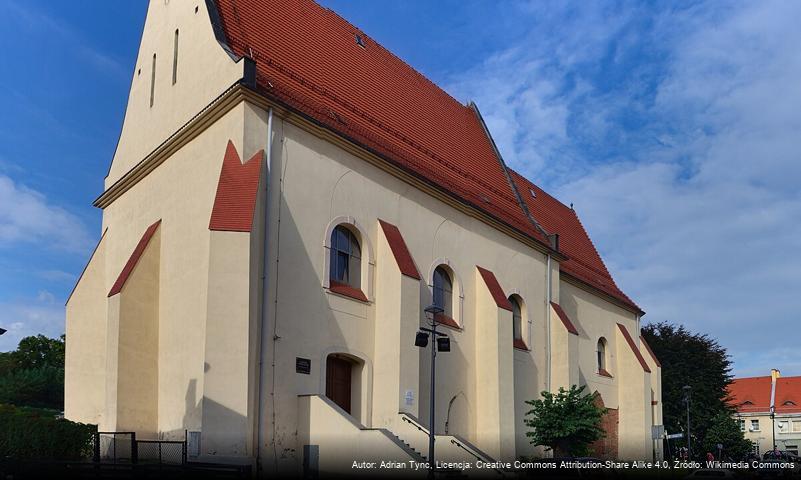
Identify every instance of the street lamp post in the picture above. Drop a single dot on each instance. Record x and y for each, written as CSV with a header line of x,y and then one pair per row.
x,y
773,427
439,341
431,412
687,390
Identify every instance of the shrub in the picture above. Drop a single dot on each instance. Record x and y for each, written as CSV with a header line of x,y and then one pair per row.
x,y
28,433
35,387
726,431
566,422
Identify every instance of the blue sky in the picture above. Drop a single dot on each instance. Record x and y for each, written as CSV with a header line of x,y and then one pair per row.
x,y
674,128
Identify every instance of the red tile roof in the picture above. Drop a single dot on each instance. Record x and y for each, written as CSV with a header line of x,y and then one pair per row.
x,y
583,263
495,289
399,250
235,201
750,395
634,348
564,318
133,259
307,58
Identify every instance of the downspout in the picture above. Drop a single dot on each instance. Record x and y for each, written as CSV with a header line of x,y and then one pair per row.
x,y
548,308
263,337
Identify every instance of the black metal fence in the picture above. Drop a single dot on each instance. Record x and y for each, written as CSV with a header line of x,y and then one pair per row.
x,y
115,447
161,451
124,447
122,455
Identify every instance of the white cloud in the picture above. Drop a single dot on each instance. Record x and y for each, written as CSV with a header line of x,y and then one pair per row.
x,y
29,318
27,217
58,276
45,297
686,169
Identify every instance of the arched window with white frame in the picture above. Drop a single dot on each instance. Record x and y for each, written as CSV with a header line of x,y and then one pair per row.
x,y
601,357
446,293
348,260
443,290
517,317
346,257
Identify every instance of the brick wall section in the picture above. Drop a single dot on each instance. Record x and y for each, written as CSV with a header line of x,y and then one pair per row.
x,y
606,448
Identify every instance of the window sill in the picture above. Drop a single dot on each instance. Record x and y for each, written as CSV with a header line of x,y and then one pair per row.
x,y
519,344
347,291
446,321
604,373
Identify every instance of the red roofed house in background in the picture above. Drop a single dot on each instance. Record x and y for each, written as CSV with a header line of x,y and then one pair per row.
x,y
315,193
751,397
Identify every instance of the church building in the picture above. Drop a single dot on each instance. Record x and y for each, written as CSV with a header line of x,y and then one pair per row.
x,y
288,203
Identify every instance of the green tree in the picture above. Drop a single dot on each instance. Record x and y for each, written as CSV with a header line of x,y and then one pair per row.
x,y
7,362
566,422
36,387
698,361
39,351
724,430
33,374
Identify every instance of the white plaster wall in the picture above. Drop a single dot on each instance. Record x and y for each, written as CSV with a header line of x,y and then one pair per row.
x,y
595,317
315,182
181,192
85,355
205,70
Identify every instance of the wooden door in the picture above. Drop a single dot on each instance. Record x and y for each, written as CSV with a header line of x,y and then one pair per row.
x,y
337,381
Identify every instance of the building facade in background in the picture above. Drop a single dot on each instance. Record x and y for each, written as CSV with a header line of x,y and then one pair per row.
x,y
286,198
752,398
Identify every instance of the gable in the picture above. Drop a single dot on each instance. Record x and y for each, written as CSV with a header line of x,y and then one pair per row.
x,y
180,85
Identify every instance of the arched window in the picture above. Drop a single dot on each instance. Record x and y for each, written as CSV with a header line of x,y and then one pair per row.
x,y
443,290
517,317
346,257
602,356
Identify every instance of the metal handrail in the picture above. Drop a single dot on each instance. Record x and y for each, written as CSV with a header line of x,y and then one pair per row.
x,y
419,427
478,455
471,452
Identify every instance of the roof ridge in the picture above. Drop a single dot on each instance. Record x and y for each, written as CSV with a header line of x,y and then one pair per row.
x,y
593,246
545,192
512,184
